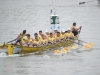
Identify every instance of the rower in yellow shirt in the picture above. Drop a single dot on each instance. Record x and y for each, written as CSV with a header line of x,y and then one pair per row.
x,y
47,34
63,37
43,40
51,39
37,42
29,40
69,34
58,37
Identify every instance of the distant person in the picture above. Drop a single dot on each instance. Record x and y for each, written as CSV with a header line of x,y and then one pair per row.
x,y
74,29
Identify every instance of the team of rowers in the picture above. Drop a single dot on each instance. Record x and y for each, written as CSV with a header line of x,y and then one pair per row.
x,y
48,37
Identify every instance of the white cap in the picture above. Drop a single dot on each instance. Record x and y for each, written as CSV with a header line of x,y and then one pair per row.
x,y
55,29
46,31
69,29
63,30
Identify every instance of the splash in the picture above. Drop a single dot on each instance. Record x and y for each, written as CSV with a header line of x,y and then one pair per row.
x,y
46,56
3,54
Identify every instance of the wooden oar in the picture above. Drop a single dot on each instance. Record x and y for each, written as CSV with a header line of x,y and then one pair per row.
x,y
12,41
88,43
5,44
57,52
72,46
64,50
85,2
84,46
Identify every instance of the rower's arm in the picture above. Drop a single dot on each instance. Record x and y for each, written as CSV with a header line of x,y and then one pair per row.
x,y
77,28
18,36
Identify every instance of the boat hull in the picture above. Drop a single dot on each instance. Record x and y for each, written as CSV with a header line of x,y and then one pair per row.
x,y
25,49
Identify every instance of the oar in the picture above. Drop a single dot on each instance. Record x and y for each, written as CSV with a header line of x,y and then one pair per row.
x,y
84,46
2,45
12,40
85,2
57,52
72,46
88,43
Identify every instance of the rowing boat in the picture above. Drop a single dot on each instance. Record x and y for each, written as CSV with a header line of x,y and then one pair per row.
x,y
12,49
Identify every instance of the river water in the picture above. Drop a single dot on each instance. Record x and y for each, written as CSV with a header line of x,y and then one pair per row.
x,y
34,15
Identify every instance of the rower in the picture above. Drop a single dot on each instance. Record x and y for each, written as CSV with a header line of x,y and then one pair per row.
x,y
63,35
51,39
23,41
58,37
55,32
47,34
74,29
69,34
29,40
36,35
20,36
40,34
36,42
43,40
40,37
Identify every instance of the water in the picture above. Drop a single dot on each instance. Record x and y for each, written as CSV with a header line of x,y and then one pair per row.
x,y
34,15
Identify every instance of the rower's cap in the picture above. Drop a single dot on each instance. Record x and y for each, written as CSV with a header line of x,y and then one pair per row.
x,y
46,31
69,29
55,29
63,30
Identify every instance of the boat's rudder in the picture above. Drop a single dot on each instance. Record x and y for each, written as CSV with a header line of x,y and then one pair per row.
x,y
10,49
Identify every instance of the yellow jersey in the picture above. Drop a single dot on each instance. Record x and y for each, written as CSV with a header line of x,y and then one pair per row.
x,y
69,34
62,35
51,39
43,40
37,42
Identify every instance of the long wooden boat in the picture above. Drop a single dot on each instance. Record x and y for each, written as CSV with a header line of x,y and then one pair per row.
x,y
12,49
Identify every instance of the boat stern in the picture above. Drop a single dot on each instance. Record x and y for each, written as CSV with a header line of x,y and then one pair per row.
x,y
10,49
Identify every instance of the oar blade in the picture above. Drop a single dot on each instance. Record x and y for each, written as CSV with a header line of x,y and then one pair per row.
x,y
57,52
67,48
86,47
90,44
82,3
74,47
64,51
